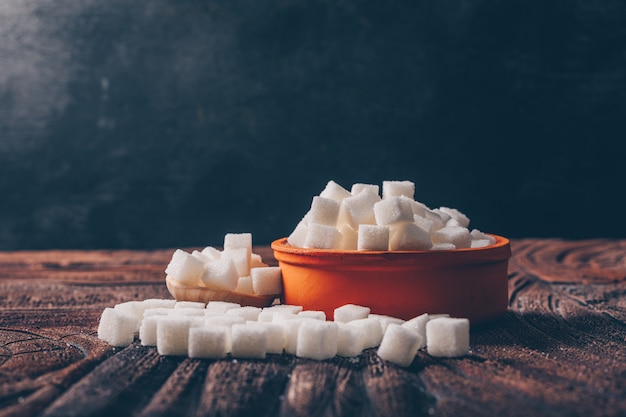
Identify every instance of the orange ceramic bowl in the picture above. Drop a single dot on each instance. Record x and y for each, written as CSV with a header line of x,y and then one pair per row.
x,y
470,283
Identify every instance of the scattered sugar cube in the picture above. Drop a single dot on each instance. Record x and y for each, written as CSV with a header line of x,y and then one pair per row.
x,y
187,312
373,237
212,342
158,303
359,187
117,327
317,340
313,314
221,274
159,311
398,188
371,329
324,211
172,335
244,286
298,235
224,320
185,268
276,336
392,210
267,280
292,326
247,312
134,308
321,236
148,330
241,259
399,345
350,340
334,191
349,312
459,236
221,306
461,218
385,320
358,209
189,304
295,309
249,340
447,337
418,324
408,236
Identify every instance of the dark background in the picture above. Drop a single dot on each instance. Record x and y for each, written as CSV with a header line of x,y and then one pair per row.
x,y
168,123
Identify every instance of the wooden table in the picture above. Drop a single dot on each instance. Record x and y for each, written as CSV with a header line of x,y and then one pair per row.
x,y
560,350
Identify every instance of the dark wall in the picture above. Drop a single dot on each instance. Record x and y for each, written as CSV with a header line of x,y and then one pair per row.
x,y
168,123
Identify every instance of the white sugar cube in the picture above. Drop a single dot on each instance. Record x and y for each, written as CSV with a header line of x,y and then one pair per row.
x,y
385,320
221,275
189,304
477,234
159,311
256,261
224,320
276,336
392,210
408,236
266,280
358,209
292,326
359,187
350,340
445,217
424,223
480,243
221,306
373,237
240,257
158,303
187,312
419,209
443,246
201,256
313,314
185,268
295,309
212,342
134,308
459,236
371,329
453,223
248,341
435,218
324,211
297,237
334,191
247,312
321,236
148,330
349,312
211,253
238,241
447,337
244,286
398,188
418,324
461,218
317,340
349,237
172,336
399,345
117,327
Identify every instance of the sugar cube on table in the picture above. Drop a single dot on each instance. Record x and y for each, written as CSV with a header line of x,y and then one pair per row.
x,y
188,312
148,330
317,340
447,337
350,340
189,304
324,211
392,210
248,340
418,324
172,336
313,314
224,320
185,268
158,303
373,237
398,188
134,308
276,336
292,327
334,191
117,327
358,209
371,329
211,342
221,275
247,312
399,345
349,312
408,236
222,306
267,280
385,320
320,236
459,236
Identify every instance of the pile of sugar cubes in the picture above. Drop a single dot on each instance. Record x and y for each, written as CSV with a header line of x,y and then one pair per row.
x,y
219,329
360,219
235,268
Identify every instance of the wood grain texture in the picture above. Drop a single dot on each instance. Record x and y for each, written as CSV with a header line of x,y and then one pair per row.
x,y
560,349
